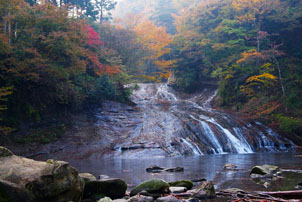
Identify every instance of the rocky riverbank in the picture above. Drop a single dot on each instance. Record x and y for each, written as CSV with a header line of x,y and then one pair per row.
x,y
23,179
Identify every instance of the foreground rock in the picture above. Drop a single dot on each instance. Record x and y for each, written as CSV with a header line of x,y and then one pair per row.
x,y
204,191
113,188
152,187
23,179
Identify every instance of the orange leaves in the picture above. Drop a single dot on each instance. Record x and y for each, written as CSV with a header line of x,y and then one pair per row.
x,y
249,55
154,38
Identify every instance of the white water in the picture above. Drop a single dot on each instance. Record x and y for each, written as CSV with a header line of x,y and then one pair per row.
x,y
195,148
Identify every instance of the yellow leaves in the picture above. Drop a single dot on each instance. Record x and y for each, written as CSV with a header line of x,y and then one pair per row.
x,y
261,78
251,54
229,76
257,83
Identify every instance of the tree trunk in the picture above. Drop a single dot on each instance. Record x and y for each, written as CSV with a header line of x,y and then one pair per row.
x,y
16,28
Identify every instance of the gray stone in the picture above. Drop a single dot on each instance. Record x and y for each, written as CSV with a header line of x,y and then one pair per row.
x,y
183,183
141,198
178,189
102,177
105,199
87,177
120,200
23,179
168,199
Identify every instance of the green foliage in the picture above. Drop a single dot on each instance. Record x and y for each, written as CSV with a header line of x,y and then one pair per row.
x,y
290,125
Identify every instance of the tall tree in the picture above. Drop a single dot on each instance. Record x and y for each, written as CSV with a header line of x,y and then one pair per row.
x,y
104,7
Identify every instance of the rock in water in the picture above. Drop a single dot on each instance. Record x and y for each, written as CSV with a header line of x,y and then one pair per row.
x,y
230,166
154,169
113,188
23,179
168,199
87,177
183,183
176,169
204,191
265,170
154,186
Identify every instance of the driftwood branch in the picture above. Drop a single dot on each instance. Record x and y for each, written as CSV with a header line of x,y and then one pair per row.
x,y
242,196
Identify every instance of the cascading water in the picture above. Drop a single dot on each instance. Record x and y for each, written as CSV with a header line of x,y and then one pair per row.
x,y
166,123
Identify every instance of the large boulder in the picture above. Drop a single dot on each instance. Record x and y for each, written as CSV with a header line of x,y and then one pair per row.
x,y
23,179
204,191
154,186
183,183
113,188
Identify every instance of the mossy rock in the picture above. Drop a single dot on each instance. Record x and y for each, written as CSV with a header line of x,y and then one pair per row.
x,y
183,183
151,186
113,188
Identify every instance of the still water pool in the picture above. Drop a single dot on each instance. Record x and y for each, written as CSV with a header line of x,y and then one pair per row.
x,y
133,171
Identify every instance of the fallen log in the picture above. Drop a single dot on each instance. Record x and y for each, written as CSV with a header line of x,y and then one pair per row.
x,y
295,194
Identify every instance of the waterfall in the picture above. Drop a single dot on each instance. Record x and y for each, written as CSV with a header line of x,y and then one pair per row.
x,y
167,123
195,149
